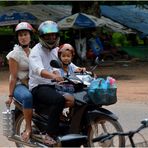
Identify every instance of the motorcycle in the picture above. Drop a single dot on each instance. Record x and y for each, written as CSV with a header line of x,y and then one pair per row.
x,y
85,121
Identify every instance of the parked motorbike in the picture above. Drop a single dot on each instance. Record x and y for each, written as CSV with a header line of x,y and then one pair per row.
x,y
85,121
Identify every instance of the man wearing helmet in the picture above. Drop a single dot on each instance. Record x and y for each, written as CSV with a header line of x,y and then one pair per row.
x,y
41,76
48,35
18,60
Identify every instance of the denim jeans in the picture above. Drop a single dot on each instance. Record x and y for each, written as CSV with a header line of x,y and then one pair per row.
x,y
23,95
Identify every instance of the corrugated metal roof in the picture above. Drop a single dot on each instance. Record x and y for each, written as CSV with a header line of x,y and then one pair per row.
x,y
42,12
128,15
57,12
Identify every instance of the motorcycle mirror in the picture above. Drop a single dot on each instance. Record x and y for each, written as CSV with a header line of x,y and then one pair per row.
x,y
55,64
145,122
97,61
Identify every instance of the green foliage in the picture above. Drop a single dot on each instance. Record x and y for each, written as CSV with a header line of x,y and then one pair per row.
x,y
18,2
125,2
27,2
6,30
12,3
119,39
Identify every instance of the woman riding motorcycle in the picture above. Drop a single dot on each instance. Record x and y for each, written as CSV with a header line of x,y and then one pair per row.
x,y
18,60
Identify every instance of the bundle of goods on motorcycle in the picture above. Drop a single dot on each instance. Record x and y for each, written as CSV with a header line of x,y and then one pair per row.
x,y
103,91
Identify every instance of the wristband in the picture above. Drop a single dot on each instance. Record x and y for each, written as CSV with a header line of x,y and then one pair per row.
x,y
10,96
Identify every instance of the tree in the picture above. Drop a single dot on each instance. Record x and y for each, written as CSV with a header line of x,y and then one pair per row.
x,y
13,3
93,7
89,7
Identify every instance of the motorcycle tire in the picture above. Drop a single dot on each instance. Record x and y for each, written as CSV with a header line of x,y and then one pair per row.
x,y
103,125
19,126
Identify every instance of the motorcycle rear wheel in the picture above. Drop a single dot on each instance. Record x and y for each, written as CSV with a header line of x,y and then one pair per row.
x,y
19,127
103,125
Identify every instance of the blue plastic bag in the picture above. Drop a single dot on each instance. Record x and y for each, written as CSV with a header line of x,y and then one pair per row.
x,y
103,92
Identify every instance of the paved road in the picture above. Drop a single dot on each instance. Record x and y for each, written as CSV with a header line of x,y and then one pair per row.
x,y
130,114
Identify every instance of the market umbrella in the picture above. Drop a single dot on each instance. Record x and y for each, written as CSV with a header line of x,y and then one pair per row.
x,y
80,21
13,17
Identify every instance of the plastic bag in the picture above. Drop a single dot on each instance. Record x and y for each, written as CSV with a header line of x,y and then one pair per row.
x,y
103,92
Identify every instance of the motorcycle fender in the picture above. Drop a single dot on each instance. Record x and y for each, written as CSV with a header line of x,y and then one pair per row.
x,y
101,112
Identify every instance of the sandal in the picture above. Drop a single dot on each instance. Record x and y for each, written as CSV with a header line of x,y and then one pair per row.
x,y
25,135
49,140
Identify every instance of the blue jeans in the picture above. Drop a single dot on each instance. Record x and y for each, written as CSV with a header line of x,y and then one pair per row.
x,y
23,95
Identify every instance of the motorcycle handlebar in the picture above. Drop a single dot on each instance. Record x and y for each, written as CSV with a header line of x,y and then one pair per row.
x,y
131,133
100,138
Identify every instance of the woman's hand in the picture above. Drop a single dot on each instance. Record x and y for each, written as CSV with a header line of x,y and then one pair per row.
x,y
9,101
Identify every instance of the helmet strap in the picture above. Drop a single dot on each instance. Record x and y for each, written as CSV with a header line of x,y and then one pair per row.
x,y
49,46
24,46
65,64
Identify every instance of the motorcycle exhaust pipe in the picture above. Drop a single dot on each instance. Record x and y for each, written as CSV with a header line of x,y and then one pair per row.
x,y
17,139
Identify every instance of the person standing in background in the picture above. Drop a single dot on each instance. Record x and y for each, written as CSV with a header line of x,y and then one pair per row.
x,y
81,46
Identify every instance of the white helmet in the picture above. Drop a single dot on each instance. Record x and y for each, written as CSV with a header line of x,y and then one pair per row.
x,y
23,26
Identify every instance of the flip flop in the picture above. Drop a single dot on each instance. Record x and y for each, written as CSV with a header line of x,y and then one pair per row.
x,y
25,136
49,140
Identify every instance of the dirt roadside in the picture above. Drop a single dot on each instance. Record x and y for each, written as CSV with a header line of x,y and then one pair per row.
x,y
132,80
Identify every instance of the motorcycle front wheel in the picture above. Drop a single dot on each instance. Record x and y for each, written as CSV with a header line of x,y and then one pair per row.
x,y
103,125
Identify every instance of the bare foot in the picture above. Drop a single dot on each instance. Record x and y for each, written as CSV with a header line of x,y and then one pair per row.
x,y
26,135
